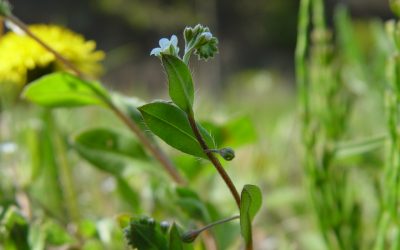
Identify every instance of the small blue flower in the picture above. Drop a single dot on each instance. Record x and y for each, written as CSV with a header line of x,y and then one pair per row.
x,y
169,47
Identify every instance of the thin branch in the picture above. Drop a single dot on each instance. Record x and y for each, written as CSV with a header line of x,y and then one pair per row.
x,y
213,159
192,235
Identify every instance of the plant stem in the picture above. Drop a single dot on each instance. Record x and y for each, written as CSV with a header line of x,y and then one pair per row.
x,y
213,159
215,223
156,151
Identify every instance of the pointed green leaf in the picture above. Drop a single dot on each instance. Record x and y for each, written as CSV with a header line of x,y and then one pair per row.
x,y
146,234
250,203
108,150
64,90
175,242
180,82
171,124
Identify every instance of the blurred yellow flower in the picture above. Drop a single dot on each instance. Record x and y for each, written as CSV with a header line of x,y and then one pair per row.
x,y
22,59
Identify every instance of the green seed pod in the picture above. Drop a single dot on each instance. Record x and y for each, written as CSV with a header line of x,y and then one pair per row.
x,y
190,236
227,153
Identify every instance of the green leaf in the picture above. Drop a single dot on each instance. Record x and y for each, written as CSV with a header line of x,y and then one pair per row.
x,y
250,203
108,150
64,90
180,82
175,242
171,124
145,234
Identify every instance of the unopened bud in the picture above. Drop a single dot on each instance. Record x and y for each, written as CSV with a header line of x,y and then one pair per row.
x,y
227,153
190,236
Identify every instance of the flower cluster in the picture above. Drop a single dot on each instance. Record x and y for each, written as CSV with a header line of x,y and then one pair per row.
x,y
198,40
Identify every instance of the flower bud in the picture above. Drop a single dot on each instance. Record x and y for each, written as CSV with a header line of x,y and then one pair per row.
x,y
190,236
227,153
200,40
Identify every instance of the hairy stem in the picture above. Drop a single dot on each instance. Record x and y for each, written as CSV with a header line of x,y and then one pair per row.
x,y
213,159
150,146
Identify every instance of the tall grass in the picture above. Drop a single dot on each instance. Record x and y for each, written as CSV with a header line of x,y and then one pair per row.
x,y
326,103
325,107
389,227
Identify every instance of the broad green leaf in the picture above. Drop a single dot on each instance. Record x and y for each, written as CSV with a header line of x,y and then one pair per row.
x,y
171,124
64,90
250,203
146,234
175,242
109,150
180,82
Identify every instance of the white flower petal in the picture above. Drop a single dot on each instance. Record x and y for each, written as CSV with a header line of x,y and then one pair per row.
x,y
164,43
174,40
155,51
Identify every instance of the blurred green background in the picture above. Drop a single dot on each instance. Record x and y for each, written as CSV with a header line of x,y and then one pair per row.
x,y
250,83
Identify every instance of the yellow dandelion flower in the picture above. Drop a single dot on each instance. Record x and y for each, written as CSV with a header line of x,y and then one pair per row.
x,y
22,59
